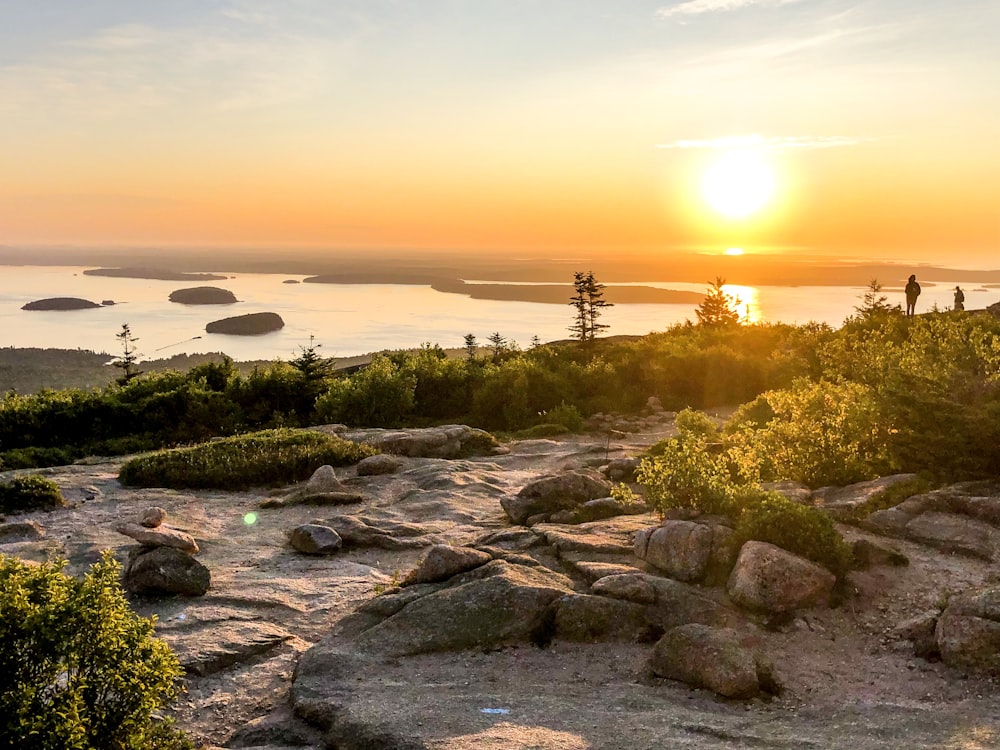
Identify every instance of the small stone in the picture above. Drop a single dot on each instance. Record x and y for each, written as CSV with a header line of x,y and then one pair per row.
x,y
315,539
153,517
161,536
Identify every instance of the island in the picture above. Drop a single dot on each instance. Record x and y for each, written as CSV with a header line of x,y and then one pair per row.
x,y
252,324
290,281
145,272
203,295
559,294
60,303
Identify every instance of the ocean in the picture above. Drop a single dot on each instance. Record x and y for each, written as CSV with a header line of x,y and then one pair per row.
x,y
351,319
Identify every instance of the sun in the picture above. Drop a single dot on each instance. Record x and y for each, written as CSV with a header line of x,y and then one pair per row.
x,y
738,184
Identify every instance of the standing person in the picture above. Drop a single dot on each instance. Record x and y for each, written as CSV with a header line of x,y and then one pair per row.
x,y
912,292
959,298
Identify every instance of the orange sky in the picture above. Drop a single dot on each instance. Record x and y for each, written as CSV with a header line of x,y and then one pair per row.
x,y
502,125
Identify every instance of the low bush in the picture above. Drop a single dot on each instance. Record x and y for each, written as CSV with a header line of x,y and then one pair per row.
x,y
566,415
544,430
79,670
257,459
804,531
22,494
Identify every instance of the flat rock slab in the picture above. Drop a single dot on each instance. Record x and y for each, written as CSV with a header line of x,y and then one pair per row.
x,y
161,536
21,531
573,541
960,534
840,500
210,649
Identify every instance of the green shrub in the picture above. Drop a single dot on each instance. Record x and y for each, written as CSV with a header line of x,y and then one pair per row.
x,y
804,531
380,395
78,669
685,474
27,493
256,459
34,458
566,415
820,433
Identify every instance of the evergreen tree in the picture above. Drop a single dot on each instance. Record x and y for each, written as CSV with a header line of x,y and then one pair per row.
x,y
718,308
588,302
595,304
581,320
312,366
874,303
128,362
470,346
499,345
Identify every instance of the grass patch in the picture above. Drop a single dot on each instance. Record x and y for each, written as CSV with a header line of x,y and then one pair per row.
x,y
256,459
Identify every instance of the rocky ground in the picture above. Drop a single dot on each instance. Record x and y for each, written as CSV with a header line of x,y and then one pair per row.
x,y
849,678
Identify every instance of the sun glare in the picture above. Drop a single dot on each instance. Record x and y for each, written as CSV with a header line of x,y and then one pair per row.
x,y
734,251
738,184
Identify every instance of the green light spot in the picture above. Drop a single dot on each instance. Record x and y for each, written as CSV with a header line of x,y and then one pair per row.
x,y
250,519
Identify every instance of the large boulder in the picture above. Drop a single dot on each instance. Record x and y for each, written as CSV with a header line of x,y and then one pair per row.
x,y
164,570
550,494
443,561
669,603
769,579
382,463
495,605
681,549
315,539
713,658
968,631
586,618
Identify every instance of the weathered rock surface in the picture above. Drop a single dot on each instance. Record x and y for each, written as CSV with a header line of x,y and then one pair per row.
x,y
921,630
621,469
554,493
203,295
669,603
968,631
252,324
769,579
840,501
443,561
161,536
357,532
869,554
502,604
315,539
208,650
713,658
164,570
15,532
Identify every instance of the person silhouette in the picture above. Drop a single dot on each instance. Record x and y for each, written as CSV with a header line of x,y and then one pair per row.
x,y
912,292
959,298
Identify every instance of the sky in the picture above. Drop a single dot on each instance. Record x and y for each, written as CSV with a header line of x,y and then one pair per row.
x,y
501,125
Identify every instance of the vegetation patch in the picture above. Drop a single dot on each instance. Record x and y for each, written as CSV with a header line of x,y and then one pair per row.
x,y
78,668
23,494
257,459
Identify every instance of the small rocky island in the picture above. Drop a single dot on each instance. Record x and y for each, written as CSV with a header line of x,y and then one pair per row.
x,y
60,303
203,295
252,324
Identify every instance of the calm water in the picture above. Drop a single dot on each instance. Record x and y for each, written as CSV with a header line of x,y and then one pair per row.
x,y
349,319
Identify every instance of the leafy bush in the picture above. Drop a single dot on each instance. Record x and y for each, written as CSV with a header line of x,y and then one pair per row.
x,y
566,415
819,434
544,430
256,459
684,473
31,492
380,395
78,669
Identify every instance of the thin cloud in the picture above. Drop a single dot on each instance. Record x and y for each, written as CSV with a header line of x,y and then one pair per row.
x,y
698,7
774,143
